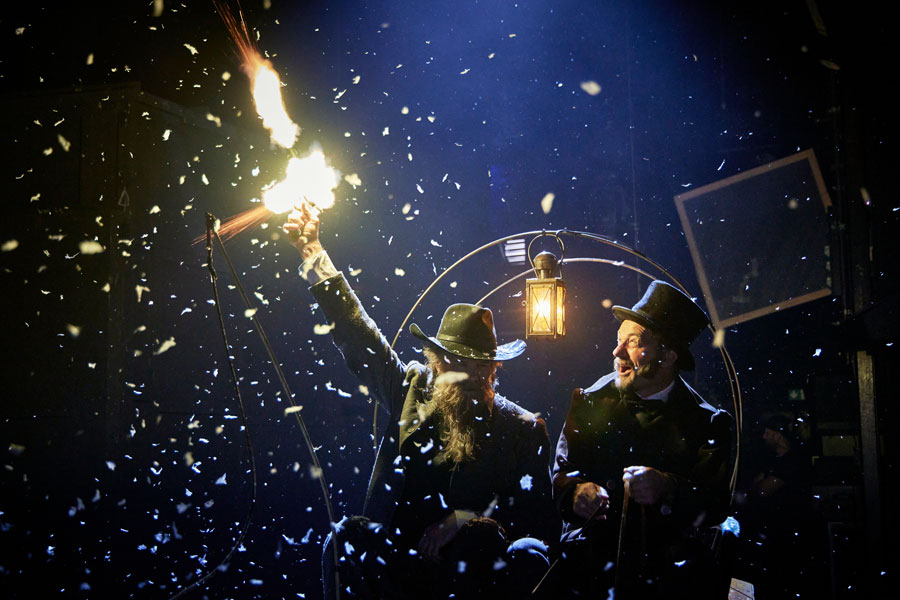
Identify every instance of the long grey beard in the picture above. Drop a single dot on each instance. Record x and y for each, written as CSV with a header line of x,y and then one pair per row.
x,y
458,406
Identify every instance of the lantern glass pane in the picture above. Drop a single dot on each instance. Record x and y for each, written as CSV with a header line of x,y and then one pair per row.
x,y
541,309
560,309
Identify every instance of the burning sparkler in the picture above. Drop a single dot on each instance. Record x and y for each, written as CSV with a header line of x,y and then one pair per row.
x,y
310,177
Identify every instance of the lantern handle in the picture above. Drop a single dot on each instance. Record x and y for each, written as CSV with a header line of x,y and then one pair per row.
x,y
562,247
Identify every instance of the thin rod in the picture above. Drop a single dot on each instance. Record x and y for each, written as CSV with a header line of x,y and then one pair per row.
x,y
214,278
319,472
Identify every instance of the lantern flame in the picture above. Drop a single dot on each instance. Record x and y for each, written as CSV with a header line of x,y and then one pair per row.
x,y
308,178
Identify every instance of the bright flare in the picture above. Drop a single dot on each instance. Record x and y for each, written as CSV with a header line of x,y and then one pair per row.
x,y
308,178
269,104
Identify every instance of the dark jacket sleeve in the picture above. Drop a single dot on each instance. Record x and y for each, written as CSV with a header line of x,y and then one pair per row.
x,y
703,496
565,475
364,348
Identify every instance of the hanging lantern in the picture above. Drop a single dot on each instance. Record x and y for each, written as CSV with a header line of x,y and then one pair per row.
x,y
545,299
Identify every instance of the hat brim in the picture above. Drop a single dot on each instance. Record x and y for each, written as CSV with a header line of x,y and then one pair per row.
x,y
685,360
503,352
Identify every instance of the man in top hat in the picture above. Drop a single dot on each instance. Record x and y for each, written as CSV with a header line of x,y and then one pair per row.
x,y
459,500
642,465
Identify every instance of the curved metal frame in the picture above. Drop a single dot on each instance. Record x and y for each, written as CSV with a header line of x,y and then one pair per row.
x,y
726,358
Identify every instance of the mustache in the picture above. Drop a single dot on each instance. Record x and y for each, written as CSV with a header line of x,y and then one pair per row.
x,y
642,369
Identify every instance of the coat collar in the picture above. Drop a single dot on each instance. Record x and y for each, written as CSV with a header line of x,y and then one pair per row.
x,y
414,414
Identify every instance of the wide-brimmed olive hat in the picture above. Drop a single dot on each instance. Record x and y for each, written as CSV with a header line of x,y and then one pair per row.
x,y
468,331
672,315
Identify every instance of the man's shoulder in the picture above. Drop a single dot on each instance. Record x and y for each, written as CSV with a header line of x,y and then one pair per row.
x,y
685,392
511,414
694,409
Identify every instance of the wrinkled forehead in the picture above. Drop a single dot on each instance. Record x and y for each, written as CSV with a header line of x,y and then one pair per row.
x,y
631,328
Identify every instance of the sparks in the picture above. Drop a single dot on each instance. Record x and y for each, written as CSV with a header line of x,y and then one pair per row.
x,y
308,178
232,226
264,80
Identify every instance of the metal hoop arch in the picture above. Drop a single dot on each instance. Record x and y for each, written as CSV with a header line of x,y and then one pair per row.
x,y
737,400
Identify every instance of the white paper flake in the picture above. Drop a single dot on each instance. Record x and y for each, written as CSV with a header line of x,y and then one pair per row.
x,y
90,247
547,202
591,88
320,329
166,345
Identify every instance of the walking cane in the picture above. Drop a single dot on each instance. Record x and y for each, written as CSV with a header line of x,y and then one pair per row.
x,y
621,550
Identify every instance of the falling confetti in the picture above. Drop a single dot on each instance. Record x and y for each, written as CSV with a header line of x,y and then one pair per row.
x,y
591,87
719,339
166,345
320,329
547,202
90,247
450,377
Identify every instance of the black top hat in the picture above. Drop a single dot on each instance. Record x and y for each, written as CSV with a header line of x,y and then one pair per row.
x,y
467,330
672,315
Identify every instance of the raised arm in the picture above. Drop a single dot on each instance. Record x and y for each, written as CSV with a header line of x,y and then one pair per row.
x,y
364,348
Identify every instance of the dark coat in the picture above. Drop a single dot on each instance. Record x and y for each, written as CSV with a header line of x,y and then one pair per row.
x,y
687,439
516,462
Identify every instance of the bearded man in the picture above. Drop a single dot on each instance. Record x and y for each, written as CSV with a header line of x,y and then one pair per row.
x,y
641,475
459,502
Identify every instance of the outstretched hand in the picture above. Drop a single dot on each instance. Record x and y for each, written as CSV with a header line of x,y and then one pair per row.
x,y
302,228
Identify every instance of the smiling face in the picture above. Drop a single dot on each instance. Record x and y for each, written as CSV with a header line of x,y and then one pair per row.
x,y
642,364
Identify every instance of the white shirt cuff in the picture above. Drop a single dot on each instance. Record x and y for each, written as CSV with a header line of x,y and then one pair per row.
x,y
317,267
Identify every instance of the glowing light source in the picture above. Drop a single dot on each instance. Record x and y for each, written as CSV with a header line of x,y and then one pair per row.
x,y
269,103
545,300
264,81
307,178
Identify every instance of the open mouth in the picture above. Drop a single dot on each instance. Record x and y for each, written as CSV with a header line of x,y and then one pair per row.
x,y
624,368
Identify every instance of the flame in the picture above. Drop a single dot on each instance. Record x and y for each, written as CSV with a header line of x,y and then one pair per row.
x,y
264,80
269,104
309,178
